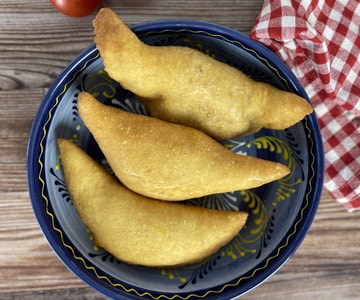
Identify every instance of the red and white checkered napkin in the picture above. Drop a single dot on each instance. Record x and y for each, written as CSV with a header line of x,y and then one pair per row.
x,y
320,41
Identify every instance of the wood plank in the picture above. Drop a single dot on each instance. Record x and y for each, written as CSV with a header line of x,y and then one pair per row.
x,y
38,42
17,113
26,260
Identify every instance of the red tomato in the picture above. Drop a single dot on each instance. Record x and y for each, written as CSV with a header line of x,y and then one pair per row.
x,y
76,8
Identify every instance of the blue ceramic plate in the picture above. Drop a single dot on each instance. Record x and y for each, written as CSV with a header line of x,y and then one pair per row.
x,y
280,212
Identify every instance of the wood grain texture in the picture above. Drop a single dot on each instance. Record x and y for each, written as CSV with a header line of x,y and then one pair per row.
x,y
36,44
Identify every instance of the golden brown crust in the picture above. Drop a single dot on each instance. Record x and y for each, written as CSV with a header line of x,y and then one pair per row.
x,y
167,161
139,230
185,86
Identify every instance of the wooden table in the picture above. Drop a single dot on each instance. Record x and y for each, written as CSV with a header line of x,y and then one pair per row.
x,y
36,43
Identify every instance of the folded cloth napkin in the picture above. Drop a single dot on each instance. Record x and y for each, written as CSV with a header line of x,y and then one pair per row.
x,y
320,41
